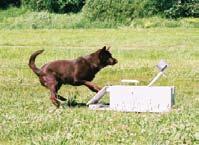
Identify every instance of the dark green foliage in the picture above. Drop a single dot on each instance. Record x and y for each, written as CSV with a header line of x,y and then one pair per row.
x,y
124,11
185,8
6,3
57,6
112,11
70,5
39,5
117,10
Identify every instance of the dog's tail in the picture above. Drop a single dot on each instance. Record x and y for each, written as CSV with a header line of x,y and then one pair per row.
x,y
32,65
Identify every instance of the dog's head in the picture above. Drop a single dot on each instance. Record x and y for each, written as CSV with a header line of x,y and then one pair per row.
x,y
105,57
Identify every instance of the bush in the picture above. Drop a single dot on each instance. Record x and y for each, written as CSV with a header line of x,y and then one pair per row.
x,y
6,3
108,10
123,11
57,6
152,7
187,8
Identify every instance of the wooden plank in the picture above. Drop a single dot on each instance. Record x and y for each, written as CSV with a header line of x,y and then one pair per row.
x,y
98,96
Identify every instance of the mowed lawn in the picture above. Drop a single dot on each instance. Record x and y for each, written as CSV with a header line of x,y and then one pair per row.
x,y
26,113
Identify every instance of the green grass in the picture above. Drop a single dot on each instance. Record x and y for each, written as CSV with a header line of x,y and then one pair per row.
x,y
26,115
162,23
21,18
15,18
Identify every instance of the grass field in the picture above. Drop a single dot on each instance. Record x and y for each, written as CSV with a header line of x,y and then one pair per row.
x,y
21,18
26,115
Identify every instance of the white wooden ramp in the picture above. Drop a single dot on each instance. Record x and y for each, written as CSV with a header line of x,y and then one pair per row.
x,y
135,98
98,96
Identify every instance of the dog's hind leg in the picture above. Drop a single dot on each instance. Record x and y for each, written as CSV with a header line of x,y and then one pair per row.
x,y
56,99
53,96
53,85
61,98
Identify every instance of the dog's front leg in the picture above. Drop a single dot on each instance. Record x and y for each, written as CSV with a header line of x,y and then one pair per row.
x,y
93,87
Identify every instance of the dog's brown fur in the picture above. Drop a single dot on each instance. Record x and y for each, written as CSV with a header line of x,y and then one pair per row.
x,y
80,71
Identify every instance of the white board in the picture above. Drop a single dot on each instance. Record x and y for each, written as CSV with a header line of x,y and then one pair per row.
x,y
141,98
135,98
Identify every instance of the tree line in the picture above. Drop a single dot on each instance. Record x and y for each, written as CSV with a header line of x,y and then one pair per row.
x,y
112,10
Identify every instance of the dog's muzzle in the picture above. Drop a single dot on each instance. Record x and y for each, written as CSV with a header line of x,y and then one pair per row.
x,y
113,61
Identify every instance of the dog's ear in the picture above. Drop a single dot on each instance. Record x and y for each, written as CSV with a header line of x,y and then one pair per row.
x,y
102,52
108,48
103,48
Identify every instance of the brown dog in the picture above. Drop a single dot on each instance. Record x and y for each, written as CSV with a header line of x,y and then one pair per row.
x,y
80,71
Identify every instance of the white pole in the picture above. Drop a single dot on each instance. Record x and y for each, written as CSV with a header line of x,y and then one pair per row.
x,y
156,78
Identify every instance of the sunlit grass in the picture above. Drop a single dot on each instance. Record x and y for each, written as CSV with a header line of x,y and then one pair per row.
x,y
26,115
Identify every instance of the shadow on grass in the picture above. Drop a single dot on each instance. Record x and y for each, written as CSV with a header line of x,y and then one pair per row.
x,y
70,102
76,104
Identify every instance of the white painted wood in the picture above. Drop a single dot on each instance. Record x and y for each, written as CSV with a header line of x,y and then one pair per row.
x,y
141,98
98,96
138,98
156,78
99,107
130,81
